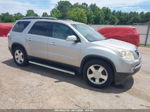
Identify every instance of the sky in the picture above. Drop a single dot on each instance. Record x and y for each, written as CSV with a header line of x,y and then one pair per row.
x,y
40,6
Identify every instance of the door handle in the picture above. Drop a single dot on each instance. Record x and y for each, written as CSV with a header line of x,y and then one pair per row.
x,y
29,39
52,43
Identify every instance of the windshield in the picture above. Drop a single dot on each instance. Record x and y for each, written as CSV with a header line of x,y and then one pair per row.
x,y
89,33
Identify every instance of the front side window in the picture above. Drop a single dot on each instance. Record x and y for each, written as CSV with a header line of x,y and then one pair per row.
x,y
20,26
61,31
89,33
41,28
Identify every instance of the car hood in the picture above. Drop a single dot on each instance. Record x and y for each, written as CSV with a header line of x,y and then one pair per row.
x,y
116,44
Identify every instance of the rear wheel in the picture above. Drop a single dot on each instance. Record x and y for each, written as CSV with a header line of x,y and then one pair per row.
x,y
98,73
20,56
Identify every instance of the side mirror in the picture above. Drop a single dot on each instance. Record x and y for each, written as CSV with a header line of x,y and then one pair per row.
x,y
72,38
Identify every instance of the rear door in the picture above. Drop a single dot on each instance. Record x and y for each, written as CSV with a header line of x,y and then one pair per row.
x,y
37,39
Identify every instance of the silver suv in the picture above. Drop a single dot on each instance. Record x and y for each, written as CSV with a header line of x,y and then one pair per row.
x,y
73,48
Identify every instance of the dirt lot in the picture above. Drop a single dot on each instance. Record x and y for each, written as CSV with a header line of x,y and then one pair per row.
x,y
34,87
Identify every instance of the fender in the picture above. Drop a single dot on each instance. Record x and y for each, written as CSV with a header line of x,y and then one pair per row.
x,y
90,57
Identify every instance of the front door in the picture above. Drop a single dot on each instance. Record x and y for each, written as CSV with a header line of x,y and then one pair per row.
x,y
61,50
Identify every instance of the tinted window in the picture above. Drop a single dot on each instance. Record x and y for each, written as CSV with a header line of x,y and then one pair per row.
x,y
41,28
61,31
20,26
89,33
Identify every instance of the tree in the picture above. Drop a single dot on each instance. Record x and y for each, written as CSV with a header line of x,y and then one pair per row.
x,y
6,17
83,5
133,18
147,17
95,15
90,14
142,15
90,17
64,7
45,14
56,13
108,14
113,20
31,13
98,14
78,14
18,16
0,18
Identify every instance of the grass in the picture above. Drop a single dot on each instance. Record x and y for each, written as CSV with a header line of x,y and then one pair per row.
x,y
9,22
147,46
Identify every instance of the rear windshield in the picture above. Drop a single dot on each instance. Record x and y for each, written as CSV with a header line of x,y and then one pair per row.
x,y
20,26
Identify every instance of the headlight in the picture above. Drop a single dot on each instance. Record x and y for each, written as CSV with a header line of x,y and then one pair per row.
x,y
127,55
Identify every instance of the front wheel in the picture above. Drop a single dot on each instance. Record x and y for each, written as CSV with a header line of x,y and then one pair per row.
x,y
98,73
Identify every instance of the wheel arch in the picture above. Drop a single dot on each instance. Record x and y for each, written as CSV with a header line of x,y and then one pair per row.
x,y
14,45
93,57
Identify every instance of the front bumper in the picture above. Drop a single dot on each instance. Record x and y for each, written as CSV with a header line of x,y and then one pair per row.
x,y
121,77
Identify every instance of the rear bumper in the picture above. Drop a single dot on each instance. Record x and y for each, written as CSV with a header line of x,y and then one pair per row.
x,y
121,77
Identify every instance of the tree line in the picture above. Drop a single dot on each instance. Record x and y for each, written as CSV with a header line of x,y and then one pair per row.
x,y
90,14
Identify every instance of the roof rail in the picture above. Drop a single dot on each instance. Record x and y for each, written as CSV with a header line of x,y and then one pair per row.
x,y
65,19
36,17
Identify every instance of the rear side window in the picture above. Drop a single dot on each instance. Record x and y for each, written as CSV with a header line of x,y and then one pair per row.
x,y
41,28
20,26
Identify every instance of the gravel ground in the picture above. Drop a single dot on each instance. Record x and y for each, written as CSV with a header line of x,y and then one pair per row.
x,y
34,87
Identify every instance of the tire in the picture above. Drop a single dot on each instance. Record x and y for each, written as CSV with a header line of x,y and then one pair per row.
x,y
98,74
20,56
